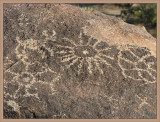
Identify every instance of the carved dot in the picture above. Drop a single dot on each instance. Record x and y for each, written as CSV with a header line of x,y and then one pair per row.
x,y
84,51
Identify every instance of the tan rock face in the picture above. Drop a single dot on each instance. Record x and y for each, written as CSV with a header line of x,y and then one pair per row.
x,y
76,64
119,33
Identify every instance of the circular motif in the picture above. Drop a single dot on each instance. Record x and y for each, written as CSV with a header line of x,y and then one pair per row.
x,y
138,64
84,51
85,54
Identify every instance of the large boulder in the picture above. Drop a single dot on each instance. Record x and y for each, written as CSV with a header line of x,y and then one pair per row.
x,y
61,61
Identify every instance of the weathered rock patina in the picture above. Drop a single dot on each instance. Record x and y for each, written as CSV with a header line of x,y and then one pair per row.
x,y
61,61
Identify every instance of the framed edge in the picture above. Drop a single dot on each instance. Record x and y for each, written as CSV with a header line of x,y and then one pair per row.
x,y
1,60
158,60
80,1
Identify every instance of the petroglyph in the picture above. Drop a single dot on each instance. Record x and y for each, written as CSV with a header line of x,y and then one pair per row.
x,y
61,61
137,67
27,72
88,51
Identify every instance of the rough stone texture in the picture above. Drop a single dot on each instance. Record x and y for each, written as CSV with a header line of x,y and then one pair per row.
x,y
61,61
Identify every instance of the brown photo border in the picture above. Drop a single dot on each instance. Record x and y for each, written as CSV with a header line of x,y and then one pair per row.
x,y
80,1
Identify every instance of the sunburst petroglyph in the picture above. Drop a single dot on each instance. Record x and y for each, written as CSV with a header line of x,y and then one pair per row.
x,y
87,51
75,64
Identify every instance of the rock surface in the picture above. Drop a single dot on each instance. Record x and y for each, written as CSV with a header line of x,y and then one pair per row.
x,y
61,61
